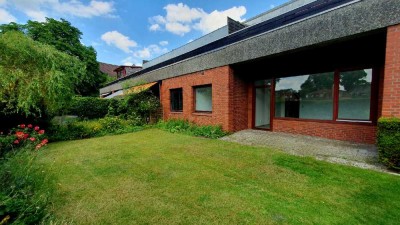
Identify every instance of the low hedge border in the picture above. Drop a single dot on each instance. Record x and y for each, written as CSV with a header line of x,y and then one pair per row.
x,y
388,142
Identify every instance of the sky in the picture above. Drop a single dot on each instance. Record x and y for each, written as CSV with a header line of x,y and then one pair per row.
x,y
126,32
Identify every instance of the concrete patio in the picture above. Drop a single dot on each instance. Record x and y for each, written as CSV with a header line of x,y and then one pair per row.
x,y
347,153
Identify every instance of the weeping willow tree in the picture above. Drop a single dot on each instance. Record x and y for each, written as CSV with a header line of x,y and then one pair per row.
x,y
35,78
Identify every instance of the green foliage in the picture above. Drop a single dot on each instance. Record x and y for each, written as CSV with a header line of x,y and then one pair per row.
x,y
139,105
35,78
137,108
186,127
389,142
65,38
89,107
91,128
25,189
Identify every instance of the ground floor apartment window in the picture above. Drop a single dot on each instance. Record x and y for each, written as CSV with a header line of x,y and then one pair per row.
x,y
313,96
203,98
176,98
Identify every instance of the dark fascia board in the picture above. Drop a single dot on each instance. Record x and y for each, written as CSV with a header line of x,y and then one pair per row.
x,y
359,17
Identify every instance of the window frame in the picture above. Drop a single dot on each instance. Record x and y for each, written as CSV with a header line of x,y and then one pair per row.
x,y
171,99
195,98
335,119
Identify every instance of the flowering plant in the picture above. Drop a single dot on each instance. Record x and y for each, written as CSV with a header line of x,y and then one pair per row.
x,y
23,136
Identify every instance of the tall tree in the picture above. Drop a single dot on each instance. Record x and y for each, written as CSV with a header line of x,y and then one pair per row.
x,y
35,78
66,38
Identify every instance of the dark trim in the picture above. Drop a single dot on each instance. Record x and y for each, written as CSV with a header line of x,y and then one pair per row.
x,y
295,15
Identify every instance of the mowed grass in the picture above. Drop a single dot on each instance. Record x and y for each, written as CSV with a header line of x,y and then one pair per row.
x,y
155,177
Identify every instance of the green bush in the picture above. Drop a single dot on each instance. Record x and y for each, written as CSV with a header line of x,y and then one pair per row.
x,y
186,127
25,189
91,128
389,142
89,107
139,106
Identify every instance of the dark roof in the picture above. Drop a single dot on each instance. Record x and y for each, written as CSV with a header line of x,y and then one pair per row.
x,y
108,69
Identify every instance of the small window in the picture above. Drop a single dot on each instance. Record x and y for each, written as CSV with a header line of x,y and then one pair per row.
x,y
176,100
203,98
355,95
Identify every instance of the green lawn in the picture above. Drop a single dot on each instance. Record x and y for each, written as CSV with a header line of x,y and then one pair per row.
x,y
155,177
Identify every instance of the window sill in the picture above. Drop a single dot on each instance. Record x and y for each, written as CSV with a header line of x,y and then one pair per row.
x,y
202,113
361,122
176,112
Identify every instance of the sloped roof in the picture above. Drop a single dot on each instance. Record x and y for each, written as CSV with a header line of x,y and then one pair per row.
x,y
108,69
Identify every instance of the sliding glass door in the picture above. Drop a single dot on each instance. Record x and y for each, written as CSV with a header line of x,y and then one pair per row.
x,y
262,110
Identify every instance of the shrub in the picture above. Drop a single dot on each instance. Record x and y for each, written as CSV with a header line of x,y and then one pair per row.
x,y
25,190
140,106
89,107
186,127
91,128
389,142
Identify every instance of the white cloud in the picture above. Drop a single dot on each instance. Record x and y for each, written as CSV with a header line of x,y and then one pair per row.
x,y
155,27
118,40
77,8
39,9
6,17
163,43
177,28
181,19
149,52
217,19
182,13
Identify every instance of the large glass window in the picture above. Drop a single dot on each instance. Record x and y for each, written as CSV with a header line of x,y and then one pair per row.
x,y
176,100
355,94
203,98
307,96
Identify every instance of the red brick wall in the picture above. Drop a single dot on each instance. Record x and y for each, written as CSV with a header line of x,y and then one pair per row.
x,y
391,80
361,133
219,78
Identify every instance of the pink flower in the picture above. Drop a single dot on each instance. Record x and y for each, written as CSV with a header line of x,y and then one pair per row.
x,y
22,126
30,126
41,131
45,141
38,146
26,136
16,142
37,128
32,139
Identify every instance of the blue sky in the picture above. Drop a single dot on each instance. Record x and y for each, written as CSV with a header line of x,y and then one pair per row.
x,y
129,31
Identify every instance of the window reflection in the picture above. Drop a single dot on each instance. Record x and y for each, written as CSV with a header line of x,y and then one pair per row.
x,y
307,96
355,94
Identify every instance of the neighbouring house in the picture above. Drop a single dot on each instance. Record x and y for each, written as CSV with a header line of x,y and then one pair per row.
x,y
326,68
123,71
108,69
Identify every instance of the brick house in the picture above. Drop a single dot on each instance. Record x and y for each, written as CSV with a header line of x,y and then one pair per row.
x,y
326,68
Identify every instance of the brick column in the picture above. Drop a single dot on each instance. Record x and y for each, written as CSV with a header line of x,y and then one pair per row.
x,y
391,80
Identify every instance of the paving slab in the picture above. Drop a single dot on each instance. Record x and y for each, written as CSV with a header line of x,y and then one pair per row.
x,y
342,152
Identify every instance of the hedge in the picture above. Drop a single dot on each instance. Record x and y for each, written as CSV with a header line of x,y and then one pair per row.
x,y
89,107
389,142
